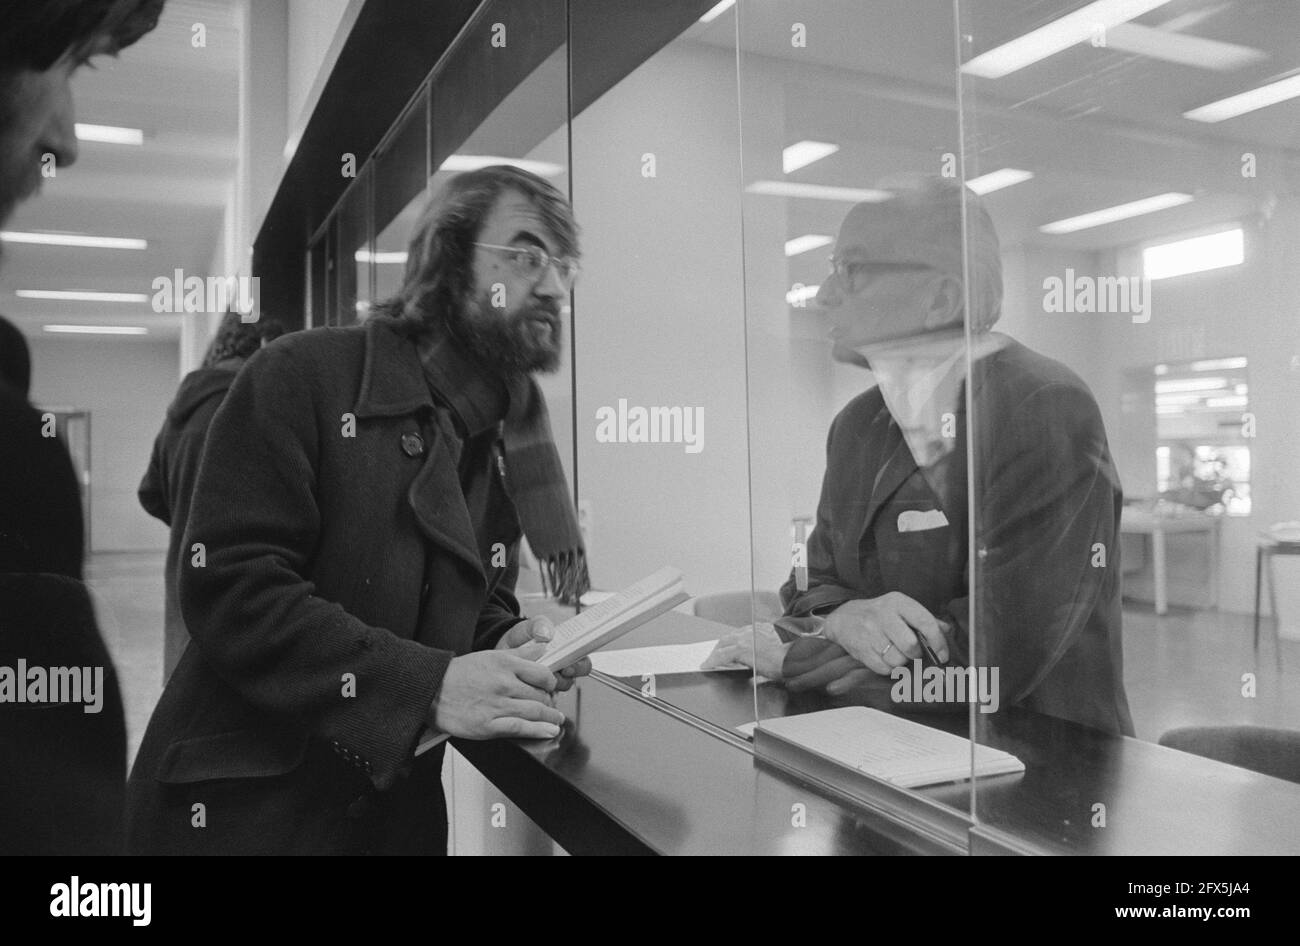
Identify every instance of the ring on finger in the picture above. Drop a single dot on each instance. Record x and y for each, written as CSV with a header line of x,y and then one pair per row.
x,y
886,650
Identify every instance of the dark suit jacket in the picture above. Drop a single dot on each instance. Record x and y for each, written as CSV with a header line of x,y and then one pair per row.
x,y
342,574
1046,495
169,481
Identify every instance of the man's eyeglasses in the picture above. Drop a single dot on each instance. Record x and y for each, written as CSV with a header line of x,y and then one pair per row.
x,y
856,275
530,262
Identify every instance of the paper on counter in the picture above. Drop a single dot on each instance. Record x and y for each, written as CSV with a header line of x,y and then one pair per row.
x,y
667,658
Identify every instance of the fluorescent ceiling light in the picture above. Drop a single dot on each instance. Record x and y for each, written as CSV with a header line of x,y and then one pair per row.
x,y
809,241
996,180
717,11
803,153
1183,385
1192,398
1195,255
74,239
1230,401
1181,48
472,162
1060,34
60,295
1244,102
1219,364
801,295
110,134
97,329
852,195
1098,218
395,256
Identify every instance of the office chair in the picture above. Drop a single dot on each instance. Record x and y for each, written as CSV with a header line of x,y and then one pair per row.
x,y
1274,752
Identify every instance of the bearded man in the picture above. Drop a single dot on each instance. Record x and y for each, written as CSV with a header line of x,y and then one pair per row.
x,y
352,551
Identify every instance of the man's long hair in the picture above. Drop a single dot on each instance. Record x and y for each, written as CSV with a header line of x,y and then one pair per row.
x,y
35,34
439,263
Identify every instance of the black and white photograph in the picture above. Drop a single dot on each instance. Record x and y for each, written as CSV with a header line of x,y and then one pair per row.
x,y
675,427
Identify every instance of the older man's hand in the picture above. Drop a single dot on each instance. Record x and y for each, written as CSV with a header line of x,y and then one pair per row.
x,y
880,633
756,646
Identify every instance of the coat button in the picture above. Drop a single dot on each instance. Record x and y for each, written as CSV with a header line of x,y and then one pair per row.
x,y
413,445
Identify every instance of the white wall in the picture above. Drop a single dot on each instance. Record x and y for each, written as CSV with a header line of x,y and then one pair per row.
x,y
660,320
126,384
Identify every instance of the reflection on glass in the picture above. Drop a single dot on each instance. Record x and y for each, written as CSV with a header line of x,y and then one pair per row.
x,y
401,176
1148,252
353,262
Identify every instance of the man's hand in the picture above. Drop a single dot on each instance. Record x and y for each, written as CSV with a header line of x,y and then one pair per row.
x,y
881,632
541,629
494,693
756,646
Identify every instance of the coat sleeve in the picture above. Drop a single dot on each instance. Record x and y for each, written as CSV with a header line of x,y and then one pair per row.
x,y
1046,536
501,612
825,593
250,608
153,487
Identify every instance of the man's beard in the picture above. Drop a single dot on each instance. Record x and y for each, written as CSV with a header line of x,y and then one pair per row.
x,y
513,344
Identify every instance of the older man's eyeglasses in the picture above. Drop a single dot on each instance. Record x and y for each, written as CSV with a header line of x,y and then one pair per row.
x,y
856,275
530,262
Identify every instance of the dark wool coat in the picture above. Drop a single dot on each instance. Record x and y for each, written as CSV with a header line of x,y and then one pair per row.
x,y
40,502
1047,496
168,482
62,769
340,572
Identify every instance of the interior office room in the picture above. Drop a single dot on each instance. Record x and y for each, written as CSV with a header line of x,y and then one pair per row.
x,y
1069,462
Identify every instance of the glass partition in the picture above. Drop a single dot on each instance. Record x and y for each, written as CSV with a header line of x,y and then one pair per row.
x,y
353,261
1131,416
659,336
401,175
853,322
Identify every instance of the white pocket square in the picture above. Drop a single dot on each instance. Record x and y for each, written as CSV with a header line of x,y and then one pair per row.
x,y
913,520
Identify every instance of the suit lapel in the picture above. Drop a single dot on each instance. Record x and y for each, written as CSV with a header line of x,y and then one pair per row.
x,y
893,472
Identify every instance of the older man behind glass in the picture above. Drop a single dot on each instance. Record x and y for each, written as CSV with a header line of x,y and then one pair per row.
x,y
888,557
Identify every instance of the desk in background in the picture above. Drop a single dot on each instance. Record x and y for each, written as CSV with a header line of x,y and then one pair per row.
x,y
1135,521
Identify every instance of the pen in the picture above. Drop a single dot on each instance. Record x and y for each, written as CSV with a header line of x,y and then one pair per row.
x,y
927,649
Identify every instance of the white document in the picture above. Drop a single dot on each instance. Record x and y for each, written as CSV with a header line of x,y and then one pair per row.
x,y
665,659
889,747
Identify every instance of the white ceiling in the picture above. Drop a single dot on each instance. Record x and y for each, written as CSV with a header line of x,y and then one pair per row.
x,y
1097,126
171,191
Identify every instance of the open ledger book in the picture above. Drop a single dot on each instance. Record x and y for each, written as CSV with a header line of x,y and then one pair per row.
x,y
878,744
599,625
